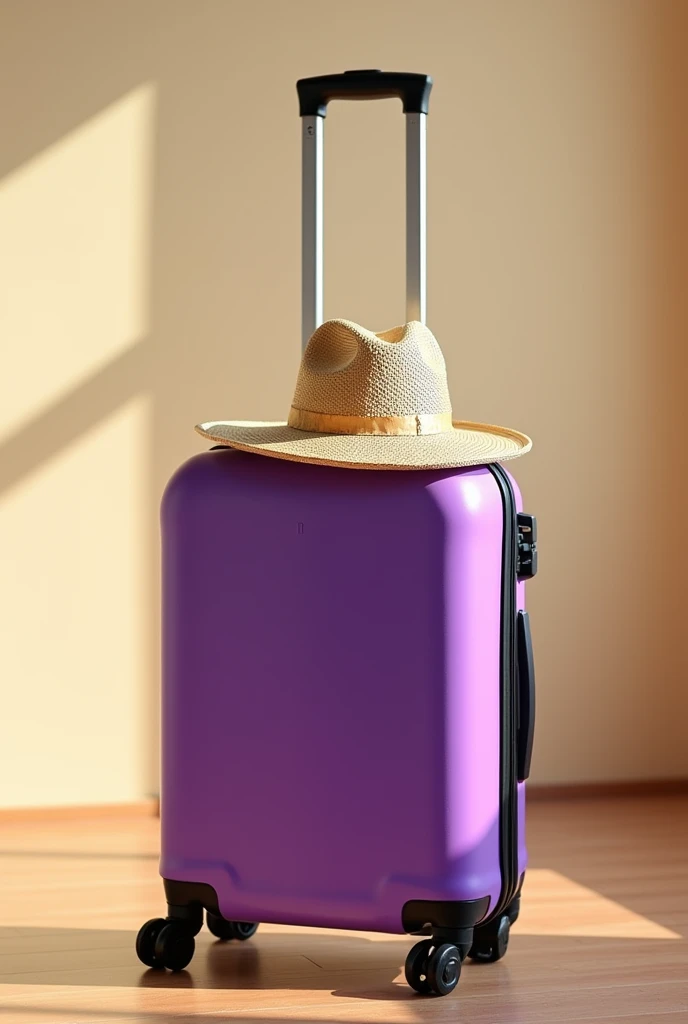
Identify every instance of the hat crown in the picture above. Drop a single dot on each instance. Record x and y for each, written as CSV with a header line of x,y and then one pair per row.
x,y
349,371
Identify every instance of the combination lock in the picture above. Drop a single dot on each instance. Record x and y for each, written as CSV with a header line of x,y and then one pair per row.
x,y
526,559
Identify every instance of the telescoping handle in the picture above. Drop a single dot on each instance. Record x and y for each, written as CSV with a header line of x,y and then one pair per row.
x,y
314,95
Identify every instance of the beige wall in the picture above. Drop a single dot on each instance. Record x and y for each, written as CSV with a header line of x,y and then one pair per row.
x,y
149,231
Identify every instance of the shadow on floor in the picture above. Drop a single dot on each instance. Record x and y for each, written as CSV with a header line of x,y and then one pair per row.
x,y
350,966
9,1013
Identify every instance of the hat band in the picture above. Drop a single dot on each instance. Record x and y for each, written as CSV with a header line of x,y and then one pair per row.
x,y
393,426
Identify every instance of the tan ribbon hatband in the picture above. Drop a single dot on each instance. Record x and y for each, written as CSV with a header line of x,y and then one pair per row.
x,y
399,426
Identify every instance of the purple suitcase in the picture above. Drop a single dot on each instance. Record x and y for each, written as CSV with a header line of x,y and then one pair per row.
x,y
348,704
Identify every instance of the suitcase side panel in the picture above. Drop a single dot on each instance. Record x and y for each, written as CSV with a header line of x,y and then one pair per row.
x,y
522,834
330,707
520,606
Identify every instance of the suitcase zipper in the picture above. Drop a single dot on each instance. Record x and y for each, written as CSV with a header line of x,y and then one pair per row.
x,y
508,816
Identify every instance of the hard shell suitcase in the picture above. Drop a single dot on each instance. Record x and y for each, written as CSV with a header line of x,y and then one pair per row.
x,y
348,688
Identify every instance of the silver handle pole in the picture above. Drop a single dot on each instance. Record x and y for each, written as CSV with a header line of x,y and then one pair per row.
x,y
312,229
312,222
416,275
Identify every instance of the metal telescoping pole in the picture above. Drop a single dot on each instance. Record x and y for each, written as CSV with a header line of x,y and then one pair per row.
x,y
312,229
416,276
312,219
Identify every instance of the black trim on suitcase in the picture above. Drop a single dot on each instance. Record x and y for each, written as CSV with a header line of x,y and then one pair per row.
x,y
181,895
526,695
423,917
508,817
451,921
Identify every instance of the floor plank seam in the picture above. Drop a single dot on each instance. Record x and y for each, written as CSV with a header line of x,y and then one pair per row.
x,y
311,961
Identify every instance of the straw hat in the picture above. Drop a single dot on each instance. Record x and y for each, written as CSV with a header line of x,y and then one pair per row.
x,y
372,401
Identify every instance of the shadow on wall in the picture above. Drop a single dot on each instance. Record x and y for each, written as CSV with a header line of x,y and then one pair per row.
x,y
150,192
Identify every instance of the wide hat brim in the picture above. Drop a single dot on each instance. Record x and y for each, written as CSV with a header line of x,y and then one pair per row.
x,y
468,444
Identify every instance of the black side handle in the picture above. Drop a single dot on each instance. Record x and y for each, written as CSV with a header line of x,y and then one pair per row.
x,y
412,89
526,696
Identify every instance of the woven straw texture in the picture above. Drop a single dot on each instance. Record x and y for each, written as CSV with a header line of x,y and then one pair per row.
x,y
369,385
347,370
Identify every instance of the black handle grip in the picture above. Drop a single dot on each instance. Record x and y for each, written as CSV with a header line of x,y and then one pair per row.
x,y
315,93
526,696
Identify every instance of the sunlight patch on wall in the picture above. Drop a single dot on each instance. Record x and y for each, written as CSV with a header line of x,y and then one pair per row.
x,y
74,624
74,255
555,905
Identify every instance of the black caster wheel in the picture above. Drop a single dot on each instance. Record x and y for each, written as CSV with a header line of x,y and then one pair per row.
x,y
227,930
433,969
513,910
464,949
220,928
190,916
174,946
491,945
444,969
416,966
195,922
146,939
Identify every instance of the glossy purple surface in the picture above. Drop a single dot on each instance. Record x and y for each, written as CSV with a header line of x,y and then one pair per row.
x,y
330,688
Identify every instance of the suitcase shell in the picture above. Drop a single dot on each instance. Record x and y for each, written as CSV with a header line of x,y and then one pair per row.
x,y
331,690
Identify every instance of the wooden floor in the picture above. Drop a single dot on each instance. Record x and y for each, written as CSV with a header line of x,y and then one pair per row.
x,y
603,935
